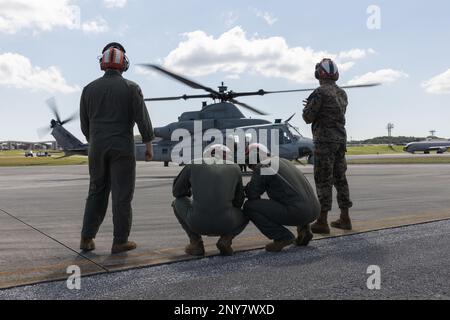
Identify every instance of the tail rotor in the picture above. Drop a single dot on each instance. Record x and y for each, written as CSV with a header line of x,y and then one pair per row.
x,y
52,105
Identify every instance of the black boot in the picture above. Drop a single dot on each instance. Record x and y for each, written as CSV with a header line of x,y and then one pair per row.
x,y
321,225
304,236
344,223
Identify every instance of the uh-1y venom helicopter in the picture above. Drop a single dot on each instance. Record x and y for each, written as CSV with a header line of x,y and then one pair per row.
x,y
223,116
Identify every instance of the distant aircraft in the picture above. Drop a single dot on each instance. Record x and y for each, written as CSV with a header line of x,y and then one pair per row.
x,y
440,146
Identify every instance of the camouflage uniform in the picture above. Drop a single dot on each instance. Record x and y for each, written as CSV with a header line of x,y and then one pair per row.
x,y
325,109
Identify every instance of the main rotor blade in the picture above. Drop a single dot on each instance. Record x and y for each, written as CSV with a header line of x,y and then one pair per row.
x,y
42,132
180,78
184,97
292,117
52,105
70,119
343,87
246,106
263,92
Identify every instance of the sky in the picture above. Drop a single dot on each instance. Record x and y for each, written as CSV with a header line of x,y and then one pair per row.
x,y
49,48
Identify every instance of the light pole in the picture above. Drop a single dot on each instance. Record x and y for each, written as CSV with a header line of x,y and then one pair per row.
x,y
389,128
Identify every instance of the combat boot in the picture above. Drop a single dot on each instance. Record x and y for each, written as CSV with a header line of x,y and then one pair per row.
x,y
278,246
321,225
224,245
123,247
195,248
87,244
304,236
344,223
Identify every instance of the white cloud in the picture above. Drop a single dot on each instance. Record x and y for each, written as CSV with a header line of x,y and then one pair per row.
x,y
355,54
17,71
269,18
439,84
115,3
97,26
230,18
380,76
200,54
39,15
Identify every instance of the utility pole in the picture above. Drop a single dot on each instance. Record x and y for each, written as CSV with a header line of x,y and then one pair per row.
x,y
390,127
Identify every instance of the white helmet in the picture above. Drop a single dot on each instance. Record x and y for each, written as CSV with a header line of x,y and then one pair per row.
x,y
256,151
218,151
327,70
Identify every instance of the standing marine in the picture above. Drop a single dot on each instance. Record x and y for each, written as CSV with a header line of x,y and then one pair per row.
x,y
291,202
325,109
209,197
109,109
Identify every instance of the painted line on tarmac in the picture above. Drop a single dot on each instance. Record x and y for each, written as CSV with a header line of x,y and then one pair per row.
x,y
53,239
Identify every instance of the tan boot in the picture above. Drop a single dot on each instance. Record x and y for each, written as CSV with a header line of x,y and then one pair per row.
x,y
278,246
321,225
304,236
224,245
87,244
195,248
344,223
123,247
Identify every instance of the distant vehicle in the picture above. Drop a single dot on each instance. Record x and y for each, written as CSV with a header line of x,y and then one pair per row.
x,y
29,154
43,154
440,146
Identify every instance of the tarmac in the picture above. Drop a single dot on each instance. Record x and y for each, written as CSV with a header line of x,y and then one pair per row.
x,y
41,210
397,156
413,264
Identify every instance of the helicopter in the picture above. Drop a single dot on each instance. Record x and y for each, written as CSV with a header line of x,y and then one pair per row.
x,y
223,115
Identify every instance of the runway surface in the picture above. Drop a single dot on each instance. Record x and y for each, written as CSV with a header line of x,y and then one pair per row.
x,y
51,200
413,264
397,156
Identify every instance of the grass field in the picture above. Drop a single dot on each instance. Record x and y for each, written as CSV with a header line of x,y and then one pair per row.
x,y
17,159
375,149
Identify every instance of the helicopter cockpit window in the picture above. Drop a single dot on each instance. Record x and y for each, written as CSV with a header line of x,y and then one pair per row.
x,y
285,138
295,131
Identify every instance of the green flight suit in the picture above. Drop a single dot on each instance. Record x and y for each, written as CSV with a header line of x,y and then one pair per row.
x,y
292,201
217,197
109,109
